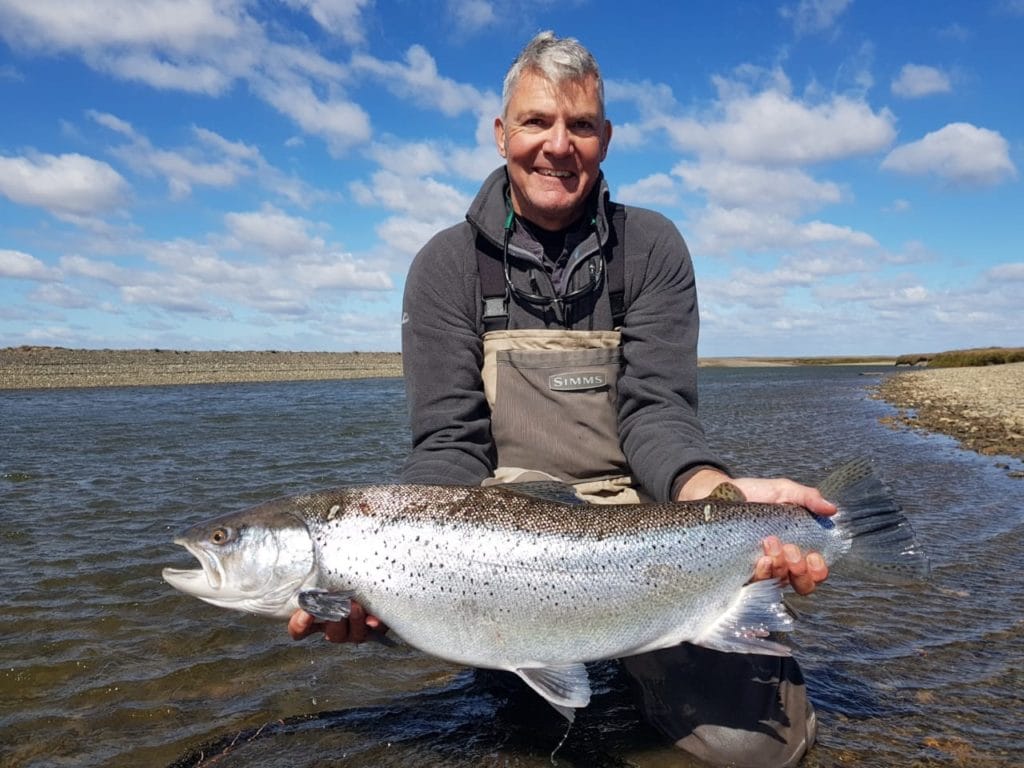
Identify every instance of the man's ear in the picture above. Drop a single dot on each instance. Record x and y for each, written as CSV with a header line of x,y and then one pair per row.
x,y
499,137
606,139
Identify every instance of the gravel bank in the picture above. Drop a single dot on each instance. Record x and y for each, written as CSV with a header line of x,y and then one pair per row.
x,y
54,367
981,407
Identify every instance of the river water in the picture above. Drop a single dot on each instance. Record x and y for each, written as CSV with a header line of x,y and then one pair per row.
x,y
103,664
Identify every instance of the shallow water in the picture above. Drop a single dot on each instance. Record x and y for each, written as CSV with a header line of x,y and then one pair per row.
x,y
103,664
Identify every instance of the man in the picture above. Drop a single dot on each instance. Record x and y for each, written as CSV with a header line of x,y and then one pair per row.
x,y
554,334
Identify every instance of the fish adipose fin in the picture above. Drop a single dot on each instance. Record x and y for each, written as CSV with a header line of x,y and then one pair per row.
x,y
326,606
882,543
756,611
566,687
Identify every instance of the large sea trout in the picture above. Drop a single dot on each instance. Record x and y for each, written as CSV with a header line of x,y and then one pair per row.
x,y
531,580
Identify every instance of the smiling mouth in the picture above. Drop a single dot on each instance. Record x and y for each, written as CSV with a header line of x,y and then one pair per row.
x,y
553,174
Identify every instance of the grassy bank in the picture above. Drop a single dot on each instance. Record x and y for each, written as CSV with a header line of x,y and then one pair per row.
x,y
964,358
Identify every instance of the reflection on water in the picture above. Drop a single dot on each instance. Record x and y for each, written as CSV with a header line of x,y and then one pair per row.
x,y
102,664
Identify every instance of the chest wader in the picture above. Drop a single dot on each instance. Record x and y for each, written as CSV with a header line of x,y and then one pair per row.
x,y
553,393
554,415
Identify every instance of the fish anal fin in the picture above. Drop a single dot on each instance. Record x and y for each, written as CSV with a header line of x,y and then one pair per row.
x,y
565,687
325,605
743,628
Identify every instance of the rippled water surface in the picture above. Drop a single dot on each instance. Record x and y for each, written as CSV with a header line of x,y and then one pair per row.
x,y
103,664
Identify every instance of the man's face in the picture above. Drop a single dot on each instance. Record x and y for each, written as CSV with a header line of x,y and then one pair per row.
x,y
554,139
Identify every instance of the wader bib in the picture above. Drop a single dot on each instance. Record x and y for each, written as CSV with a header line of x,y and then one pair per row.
x,y
553,396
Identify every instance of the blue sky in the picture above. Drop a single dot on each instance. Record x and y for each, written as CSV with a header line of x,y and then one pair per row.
x,y
223,174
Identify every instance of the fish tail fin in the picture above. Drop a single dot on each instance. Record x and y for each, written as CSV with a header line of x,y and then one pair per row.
x,y
883,546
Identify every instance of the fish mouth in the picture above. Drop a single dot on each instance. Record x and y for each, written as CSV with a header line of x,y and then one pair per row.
x,y
202,582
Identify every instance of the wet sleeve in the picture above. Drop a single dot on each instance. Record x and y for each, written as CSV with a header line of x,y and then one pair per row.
x,y
661,434
442,353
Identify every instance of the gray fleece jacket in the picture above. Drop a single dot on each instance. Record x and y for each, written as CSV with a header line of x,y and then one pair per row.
x,y
442,328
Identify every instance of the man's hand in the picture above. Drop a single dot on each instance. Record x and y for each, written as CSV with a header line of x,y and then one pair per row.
x,y
354,629
780,561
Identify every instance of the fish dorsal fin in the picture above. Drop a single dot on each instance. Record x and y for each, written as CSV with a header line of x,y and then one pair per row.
x,y
727,492
565,687
753,613
545,490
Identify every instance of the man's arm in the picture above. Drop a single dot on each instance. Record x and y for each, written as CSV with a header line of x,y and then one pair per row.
x,y
442,355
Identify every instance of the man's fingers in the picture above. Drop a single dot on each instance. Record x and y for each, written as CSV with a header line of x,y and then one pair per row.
x,y
301,624
357,623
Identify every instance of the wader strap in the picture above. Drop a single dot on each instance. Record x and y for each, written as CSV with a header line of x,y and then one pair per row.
x,y
616,264
492,287
494,290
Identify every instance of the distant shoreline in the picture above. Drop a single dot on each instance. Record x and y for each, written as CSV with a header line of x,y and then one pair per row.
x,y
983,407
59,368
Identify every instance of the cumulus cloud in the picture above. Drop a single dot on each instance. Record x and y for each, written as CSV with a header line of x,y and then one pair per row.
x,y
339,17
204,46
69,184
916,80
735,185
656,189
719,231
417,78
211,160
766,124
960,153
18,265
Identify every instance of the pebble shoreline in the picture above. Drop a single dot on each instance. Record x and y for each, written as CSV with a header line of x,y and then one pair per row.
x,y
981,407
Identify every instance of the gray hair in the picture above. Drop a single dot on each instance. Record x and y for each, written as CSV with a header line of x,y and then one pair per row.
x,y
558,59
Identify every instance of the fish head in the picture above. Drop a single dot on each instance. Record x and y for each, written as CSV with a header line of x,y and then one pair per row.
x,y
256,561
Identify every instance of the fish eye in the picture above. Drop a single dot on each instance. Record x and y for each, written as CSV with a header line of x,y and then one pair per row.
x,y
221,535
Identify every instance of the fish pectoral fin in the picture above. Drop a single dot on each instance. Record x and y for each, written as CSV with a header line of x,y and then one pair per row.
x,y
743,628
326,606
565,687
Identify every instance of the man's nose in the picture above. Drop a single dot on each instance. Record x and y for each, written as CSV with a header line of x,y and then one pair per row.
x,y
559,140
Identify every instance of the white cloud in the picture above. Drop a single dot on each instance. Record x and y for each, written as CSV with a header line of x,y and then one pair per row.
x,y
1013,272
339,122
271,231
656,189
339,17
736,185
212,160
424,198
176,25
69,184
18,265
718,231
471,16
915,81
419,80
959,152
814,16
772,127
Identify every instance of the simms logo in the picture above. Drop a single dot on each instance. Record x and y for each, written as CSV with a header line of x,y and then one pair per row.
x,y
571,382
